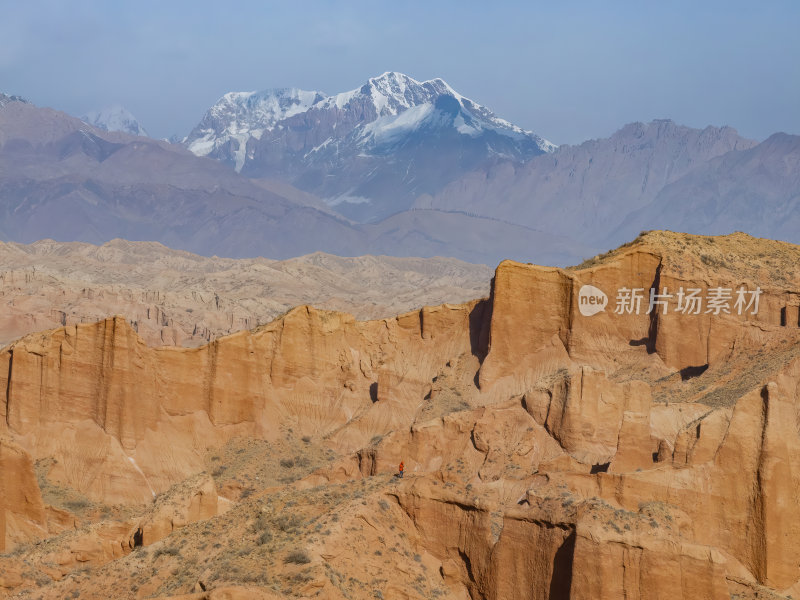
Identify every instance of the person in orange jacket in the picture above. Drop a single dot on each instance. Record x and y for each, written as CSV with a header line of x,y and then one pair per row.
x,y
400,474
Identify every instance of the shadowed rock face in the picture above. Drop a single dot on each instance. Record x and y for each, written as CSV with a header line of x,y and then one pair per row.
x,y
548,454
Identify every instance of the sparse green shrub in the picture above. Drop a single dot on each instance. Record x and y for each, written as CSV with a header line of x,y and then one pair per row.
x,y
265,538
297,557
287,523
301,578
166,550
79,504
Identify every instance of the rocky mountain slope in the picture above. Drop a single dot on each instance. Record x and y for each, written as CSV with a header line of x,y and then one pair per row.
x,y
553,449
586,192
755,189
66,180
176,298
368,152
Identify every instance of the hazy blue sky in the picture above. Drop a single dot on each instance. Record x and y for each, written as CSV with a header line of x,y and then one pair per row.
x,y
566,70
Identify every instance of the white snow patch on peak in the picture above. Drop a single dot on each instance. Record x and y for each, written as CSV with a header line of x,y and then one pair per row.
x,y
385,129
114,118
390,93
248,111
546,145
393,76
342,99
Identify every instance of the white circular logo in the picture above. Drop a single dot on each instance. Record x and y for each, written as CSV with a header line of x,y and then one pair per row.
x,y
591,300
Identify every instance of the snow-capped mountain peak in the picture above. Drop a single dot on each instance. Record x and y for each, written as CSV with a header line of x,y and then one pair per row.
x,y
369,151
392,94
114,118
238,117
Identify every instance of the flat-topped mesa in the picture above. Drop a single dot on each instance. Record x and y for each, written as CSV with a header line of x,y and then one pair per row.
x,y
685,309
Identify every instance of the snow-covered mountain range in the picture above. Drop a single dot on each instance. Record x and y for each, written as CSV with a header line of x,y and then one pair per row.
x,y
114,118
369,152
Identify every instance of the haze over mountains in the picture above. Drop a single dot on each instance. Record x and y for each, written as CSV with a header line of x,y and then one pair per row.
x,y
396,167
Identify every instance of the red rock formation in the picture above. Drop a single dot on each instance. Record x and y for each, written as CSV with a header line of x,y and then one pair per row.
x,y
601,456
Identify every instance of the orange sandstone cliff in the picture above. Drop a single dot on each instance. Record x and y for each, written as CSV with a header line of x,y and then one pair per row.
x,y
550,452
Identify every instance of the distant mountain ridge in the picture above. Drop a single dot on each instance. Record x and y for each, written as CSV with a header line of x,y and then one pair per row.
x,y
66,180
645,176
753,189
368,152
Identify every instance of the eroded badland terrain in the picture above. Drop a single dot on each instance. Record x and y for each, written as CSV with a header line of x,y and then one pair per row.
x,y
548,454
176,298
